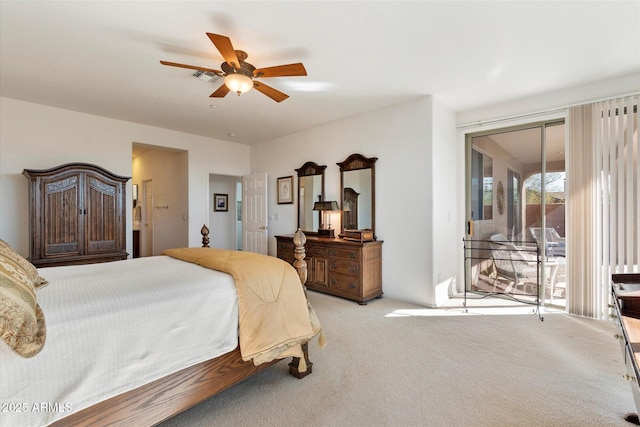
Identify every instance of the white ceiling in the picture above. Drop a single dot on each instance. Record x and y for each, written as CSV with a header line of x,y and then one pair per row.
x,y
103,57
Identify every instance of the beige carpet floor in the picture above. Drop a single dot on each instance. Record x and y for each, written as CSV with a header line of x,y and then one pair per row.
x,y
391,363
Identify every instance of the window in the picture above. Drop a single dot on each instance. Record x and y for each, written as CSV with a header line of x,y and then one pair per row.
x,y
481,186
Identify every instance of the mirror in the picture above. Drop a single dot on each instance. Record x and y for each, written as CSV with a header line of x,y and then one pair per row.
x,y
358,189
310,190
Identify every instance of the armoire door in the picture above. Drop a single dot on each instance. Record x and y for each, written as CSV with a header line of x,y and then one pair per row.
x,y
61,215
102,214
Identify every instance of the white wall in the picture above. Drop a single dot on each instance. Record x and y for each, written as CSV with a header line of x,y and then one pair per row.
x,y
36,136
448,216
403,138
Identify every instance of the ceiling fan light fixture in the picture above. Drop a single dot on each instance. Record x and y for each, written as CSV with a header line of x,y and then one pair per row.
x,y
238,74
238,83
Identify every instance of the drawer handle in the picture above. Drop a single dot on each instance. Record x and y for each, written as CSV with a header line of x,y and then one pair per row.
x,y
617,336
332,282
353,269
629,377
613,316
352,286
610,305
333,253
352,256
332,266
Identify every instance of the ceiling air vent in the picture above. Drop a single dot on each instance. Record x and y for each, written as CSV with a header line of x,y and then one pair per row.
x,y
207,76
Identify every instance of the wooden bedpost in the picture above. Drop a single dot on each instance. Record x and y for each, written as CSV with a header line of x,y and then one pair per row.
x,y
299,239
205,236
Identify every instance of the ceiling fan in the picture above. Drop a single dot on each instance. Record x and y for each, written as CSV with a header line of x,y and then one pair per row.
x,y
239,75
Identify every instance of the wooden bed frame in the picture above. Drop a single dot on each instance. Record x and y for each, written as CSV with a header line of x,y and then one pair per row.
x,y
166,397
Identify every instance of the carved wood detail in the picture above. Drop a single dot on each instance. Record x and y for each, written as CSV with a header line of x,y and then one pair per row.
x,y
357,161
310,168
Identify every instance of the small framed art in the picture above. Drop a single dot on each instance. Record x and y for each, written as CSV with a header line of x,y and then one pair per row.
x,y
220,202
285,195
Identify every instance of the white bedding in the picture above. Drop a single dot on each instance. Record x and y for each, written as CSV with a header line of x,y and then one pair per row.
x,y
115,326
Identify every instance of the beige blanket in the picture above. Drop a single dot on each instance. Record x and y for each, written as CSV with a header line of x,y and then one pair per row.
x,y
275,317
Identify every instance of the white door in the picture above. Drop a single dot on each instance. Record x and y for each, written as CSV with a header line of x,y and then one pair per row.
x,y
254,213
147,238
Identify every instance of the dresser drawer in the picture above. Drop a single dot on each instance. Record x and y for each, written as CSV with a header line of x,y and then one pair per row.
x,y
318,251
340,266
285,247
345,253
619,335
286,256
346,284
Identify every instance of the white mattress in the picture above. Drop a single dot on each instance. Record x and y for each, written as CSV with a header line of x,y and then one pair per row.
x,y
115,326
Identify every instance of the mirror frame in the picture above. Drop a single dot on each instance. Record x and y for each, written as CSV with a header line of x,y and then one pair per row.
x,y
309,169
355,162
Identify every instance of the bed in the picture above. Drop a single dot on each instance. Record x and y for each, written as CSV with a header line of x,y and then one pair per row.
x,y
134,342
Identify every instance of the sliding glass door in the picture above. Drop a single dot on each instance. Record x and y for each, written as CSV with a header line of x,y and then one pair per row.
x,y
516,196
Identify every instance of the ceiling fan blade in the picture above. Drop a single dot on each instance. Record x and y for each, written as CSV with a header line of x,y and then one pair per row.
x,y
223,44
191,67
272,93
281,71
221,92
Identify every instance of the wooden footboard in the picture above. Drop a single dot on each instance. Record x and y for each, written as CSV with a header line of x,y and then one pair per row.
x,y
166,397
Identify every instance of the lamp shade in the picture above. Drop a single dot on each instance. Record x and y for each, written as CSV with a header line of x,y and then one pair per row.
x,y
326,206
238,83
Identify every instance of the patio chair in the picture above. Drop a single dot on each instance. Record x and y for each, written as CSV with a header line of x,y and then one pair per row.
x,y
555,245
511,264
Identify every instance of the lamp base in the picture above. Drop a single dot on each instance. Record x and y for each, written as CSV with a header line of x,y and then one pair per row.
x,y
326,232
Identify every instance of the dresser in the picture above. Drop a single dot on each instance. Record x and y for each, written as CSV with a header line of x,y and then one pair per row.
x,y
76,215
347,269
625,290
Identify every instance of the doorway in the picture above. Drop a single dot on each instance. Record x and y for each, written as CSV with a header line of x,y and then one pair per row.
x,y
242,223
162,176
516,196
223,221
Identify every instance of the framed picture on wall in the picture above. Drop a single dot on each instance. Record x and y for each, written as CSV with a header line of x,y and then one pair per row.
x,y
220,202
285,195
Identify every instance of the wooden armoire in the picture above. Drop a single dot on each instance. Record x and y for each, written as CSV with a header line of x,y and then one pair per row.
x,y
76,215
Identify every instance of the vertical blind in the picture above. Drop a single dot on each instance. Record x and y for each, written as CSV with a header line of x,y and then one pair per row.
x,y
603,188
